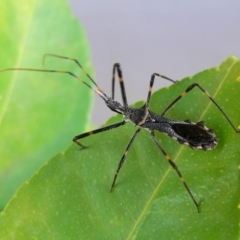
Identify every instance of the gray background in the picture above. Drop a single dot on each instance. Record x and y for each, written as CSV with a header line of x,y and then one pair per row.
x,y
175,38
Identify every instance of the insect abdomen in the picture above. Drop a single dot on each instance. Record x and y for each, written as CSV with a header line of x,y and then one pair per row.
x,y
195,135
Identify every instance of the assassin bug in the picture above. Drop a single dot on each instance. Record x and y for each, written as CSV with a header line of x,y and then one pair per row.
x,y
194,135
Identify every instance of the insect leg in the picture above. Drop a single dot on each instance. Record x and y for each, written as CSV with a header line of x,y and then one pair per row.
x,y
174,166
151,85
116,67
123,158
207,95
83,135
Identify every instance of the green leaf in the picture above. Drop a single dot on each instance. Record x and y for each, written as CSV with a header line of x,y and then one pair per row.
x,y
68,198
39,112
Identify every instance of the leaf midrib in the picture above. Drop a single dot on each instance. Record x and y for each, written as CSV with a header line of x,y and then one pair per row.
x,y
20,56
176,158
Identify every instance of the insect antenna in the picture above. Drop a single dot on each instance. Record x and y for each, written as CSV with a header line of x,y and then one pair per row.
x,y
71,59
97,89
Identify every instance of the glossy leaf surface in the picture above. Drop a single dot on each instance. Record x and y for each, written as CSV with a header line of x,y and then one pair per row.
x,y
39,112
68,198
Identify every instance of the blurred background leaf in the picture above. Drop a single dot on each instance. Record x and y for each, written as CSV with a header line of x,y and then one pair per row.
x,y
40,113
68,198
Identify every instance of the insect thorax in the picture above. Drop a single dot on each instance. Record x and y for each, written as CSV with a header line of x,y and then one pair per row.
x,y
136,115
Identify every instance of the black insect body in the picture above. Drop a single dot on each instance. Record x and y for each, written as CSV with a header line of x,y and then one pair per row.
x,y
194,135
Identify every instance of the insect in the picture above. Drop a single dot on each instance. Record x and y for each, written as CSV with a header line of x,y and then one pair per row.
x,y
193,135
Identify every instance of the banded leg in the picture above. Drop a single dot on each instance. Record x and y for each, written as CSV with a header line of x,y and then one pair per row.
x,y
83,135
174,166
206,94
116,67
151,85
124,157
